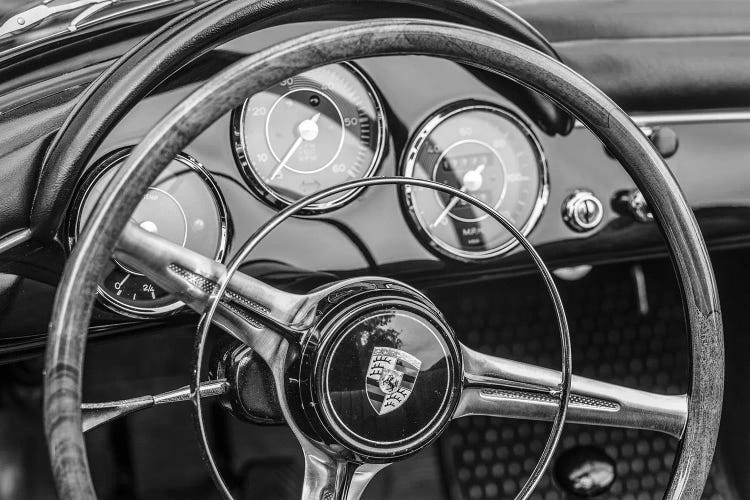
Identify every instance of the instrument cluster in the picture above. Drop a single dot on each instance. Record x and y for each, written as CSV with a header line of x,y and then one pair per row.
x,y
322,128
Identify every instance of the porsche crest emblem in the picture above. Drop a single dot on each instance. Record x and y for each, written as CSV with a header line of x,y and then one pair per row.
x,y
390,378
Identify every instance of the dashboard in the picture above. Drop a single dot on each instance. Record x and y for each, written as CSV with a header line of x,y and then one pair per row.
x,y
402,115
359,120
324,127
318,130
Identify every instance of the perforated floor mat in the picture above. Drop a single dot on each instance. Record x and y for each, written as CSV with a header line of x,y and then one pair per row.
x,y
485,458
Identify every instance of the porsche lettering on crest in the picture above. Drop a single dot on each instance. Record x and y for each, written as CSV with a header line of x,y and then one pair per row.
x,y
391,376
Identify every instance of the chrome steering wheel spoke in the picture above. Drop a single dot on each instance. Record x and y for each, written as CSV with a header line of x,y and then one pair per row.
x,y
500,387
327,477
249,307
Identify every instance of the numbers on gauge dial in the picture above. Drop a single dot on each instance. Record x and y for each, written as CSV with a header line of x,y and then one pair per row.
x,y
308,133
484,151
183,206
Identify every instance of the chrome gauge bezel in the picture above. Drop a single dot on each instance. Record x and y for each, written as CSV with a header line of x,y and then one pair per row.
x,y
103,166
409,164
267,194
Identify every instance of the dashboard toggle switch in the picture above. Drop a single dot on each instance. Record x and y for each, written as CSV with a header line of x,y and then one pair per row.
x,y
632,203
664,138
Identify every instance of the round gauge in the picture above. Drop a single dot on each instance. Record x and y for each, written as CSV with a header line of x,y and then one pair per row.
x,y
184,206
485,151
308,133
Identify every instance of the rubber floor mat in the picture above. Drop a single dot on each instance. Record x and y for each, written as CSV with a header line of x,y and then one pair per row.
x,y
486,458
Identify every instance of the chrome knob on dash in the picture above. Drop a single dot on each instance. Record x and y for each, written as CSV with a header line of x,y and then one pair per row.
x,y
582,211
585,471
632,203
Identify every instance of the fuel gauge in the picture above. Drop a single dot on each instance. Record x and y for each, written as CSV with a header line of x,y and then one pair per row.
x,y
184,206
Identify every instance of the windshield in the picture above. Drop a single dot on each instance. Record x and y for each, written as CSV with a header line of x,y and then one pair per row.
x,y
23,22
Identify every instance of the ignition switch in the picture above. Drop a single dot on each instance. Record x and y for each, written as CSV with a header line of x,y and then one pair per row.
x,y
582,211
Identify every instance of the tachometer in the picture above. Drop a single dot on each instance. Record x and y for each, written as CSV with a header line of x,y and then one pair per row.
x,y
488,152
184,206
307,133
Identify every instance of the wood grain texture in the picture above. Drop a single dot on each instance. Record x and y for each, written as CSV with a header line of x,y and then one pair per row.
x,y
228,89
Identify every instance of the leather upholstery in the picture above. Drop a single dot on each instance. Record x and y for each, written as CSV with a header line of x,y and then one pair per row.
x,y
651,55
568,20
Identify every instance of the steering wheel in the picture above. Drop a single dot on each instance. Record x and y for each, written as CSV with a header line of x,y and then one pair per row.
x,y
309,339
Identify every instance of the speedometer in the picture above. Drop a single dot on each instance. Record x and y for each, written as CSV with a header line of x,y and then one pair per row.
x,y
488,152
307,133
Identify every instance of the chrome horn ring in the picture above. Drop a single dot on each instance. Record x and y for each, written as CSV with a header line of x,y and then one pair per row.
x,y
562,394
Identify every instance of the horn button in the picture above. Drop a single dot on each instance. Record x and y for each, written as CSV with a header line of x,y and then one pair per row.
x,y
386,376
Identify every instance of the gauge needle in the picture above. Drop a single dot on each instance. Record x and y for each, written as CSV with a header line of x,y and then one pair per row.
x,y
447,209
307,130
118,284
471,181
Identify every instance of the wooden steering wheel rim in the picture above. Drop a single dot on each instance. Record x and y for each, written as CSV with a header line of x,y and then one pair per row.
x,y
74,300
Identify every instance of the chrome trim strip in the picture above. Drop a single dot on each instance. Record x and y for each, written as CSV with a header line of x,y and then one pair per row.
x,y
687,117
80,23
14,239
